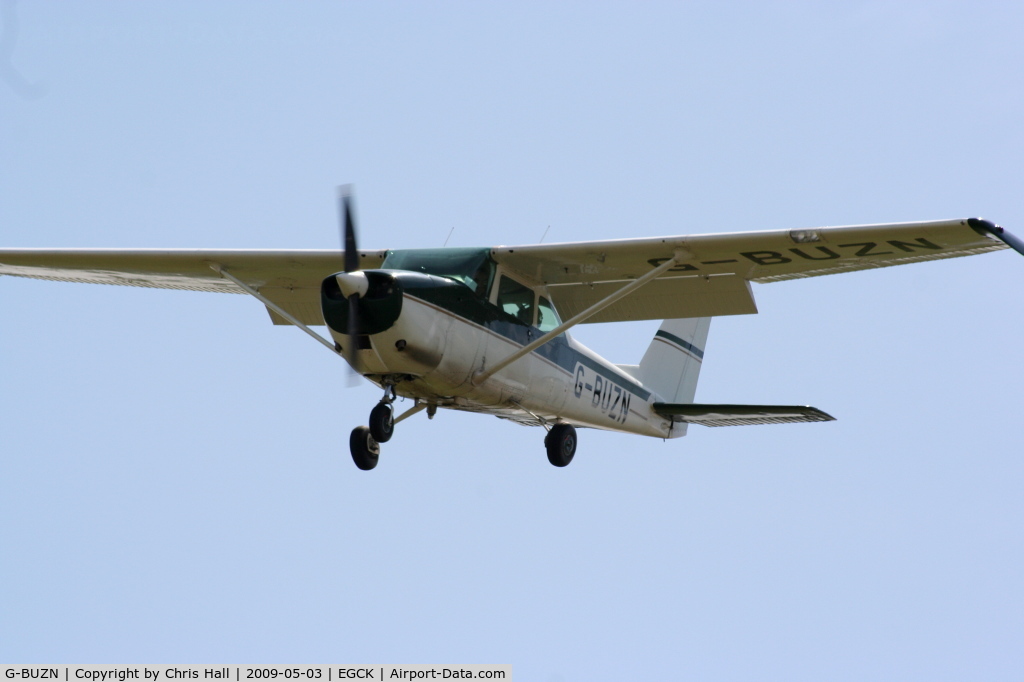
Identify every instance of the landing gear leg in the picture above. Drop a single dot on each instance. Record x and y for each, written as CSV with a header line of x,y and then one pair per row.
x,y
382,417
365,440
561,444
365,450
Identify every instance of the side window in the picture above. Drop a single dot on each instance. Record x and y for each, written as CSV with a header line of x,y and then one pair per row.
x,y
547,318
516,300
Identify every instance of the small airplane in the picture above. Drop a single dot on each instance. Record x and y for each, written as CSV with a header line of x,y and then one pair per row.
x,y
485,329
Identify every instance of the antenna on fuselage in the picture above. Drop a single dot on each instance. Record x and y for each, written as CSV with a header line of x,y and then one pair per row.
x,y
544,235
448,237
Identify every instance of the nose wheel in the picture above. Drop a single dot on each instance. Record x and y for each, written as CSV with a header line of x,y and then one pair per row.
x,y
365,441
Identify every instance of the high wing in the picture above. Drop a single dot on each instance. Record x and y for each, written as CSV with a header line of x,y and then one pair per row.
x,y
715,270
712,276
290,279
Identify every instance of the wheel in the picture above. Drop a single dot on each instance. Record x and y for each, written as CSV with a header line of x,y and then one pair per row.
x,y
382,422
561,444
365,450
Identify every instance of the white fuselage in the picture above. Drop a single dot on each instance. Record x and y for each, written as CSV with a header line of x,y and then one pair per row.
x,y
431,354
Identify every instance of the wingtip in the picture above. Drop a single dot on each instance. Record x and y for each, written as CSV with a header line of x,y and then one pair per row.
x,y
982,226
990,229
825,416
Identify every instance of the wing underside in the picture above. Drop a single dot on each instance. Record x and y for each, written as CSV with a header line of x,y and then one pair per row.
x,y
713,272
712,275
290,278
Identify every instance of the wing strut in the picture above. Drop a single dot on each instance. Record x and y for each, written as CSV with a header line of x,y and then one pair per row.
x,y
273,306
483,375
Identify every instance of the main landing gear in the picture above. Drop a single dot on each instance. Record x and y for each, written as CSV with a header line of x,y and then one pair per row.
x,y
561,444
364,443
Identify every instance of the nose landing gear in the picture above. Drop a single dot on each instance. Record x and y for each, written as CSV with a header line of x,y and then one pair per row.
x,y
365,441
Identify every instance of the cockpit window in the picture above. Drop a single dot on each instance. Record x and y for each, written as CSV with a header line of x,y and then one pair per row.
x,y
482,278
547,318
472,267
516,300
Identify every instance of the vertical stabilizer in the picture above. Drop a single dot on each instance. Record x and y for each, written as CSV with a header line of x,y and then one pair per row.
x,y
671,365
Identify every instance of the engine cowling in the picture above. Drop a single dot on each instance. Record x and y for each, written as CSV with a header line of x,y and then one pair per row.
x,y
379,306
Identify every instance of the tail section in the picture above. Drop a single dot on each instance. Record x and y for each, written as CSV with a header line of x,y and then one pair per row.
x,y
670,368
671,365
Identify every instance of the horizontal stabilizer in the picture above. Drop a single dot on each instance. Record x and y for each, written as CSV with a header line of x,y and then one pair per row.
x,y
740,415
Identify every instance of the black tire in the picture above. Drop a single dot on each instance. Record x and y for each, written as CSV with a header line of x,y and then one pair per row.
x,y
561,444
365,450
382,422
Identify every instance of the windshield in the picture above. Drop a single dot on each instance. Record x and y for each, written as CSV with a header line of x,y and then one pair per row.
x,y
472,267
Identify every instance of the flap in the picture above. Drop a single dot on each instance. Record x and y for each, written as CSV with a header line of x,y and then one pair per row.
x,y
304,304
666,298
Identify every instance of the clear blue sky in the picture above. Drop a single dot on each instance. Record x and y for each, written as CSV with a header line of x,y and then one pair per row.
x,y
175,484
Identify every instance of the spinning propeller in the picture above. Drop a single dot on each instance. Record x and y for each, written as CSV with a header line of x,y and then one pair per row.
x,y
357,303
352,282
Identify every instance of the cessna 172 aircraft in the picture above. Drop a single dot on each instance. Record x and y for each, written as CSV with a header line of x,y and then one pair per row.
x,y
485,329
